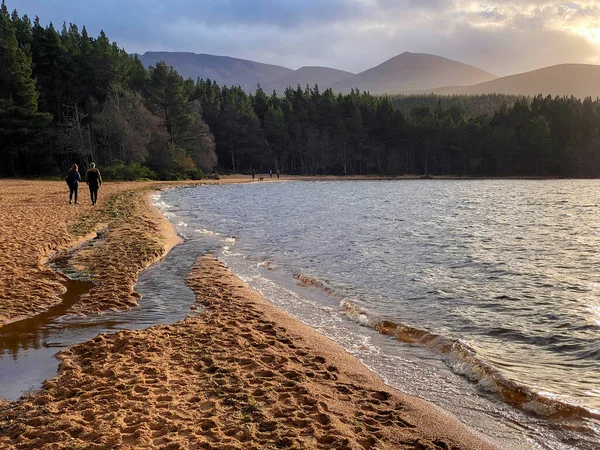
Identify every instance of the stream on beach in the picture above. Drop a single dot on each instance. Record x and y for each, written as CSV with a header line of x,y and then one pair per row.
x,y
27,347
481,296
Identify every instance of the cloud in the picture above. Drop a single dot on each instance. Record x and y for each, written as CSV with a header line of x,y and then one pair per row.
x,y
502,36
282,14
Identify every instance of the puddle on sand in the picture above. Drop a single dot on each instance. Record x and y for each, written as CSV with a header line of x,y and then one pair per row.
x,y
29,333
28,347
18,340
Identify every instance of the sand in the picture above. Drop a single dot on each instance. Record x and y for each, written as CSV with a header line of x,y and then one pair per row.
x,y
108,243
36,221
239,374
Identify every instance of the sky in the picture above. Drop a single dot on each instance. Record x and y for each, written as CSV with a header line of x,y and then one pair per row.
x,y
502,36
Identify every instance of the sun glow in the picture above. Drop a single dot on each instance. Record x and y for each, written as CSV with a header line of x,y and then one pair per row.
x,y
593,34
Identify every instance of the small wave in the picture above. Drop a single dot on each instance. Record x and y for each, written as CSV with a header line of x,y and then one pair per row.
x,y
267,265
354,313
464,360
307,281
161,204
207,232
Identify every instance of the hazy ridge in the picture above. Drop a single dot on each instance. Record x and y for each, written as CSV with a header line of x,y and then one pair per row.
x,y
579,80
412,71
223,69
407,73
307,75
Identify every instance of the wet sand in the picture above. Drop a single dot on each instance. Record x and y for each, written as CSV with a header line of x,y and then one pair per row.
x,y
114,240
36,221
240,374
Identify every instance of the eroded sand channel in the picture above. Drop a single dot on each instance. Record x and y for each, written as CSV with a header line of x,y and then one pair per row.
x,y
28,347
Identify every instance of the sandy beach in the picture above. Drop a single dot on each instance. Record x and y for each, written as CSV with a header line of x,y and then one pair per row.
x,y
238,374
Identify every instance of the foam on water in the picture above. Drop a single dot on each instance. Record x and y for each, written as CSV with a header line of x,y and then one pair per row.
x,y
207,232
464,360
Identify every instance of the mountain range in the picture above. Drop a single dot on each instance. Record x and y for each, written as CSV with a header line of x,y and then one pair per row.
x,y
407,73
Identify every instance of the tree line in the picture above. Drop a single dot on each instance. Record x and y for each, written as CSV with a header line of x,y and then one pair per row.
x,y
66,98
307,131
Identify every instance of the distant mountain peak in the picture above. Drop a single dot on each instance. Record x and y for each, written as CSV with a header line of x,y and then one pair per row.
x,y
408,72
413,71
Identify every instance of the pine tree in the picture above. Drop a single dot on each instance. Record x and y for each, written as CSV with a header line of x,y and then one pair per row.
x,y
20,123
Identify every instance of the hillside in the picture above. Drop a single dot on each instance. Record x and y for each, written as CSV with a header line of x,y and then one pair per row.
x,y
308,75
223,69
579,80
412,72
408,73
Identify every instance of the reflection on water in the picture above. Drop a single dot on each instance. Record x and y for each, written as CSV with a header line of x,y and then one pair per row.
x,y
33,333
27,348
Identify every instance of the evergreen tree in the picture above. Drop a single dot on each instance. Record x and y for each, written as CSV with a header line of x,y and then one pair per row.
x,y
21,126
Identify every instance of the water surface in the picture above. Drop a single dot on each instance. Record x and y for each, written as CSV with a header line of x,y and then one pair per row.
x,y
28,347
489,289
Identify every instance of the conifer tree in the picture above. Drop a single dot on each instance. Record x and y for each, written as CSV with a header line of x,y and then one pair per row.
x,y
21,126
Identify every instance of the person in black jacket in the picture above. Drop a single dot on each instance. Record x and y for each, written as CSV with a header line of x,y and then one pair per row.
x,y
73,179
94,181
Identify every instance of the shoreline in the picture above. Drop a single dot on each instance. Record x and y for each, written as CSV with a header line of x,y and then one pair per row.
x,y
37,228
38,224
97,399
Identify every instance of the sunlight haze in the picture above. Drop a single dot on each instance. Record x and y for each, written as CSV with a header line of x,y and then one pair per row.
x,y
502,37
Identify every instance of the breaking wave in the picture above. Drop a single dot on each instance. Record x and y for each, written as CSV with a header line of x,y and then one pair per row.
x,y
461,358
464,360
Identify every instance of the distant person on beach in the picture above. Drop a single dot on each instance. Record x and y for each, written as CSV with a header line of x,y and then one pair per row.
x,y
278,174
271,173
73,179
253,174
94,181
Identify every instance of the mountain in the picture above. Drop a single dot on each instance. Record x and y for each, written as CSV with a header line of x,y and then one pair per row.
x,y
308,75
222,69
579,80
408,73
412,72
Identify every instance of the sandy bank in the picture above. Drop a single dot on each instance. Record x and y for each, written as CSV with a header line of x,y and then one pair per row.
x,y
239,375
37,222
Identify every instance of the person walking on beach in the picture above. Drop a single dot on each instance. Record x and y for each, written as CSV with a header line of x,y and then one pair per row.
x,y
253,174
271,173
94,181
73,179
278,173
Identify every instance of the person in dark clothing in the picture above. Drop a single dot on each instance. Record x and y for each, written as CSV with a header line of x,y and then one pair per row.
x,y
94,181
73,179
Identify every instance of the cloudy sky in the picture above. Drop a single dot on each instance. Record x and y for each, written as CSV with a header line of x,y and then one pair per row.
x,y
501,36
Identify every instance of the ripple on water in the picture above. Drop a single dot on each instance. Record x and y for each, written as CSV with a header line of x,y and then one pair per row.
x,y
505,266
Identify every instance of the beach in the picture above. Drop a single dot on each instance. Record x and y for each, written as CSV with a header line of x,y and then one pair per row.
x,y
237,374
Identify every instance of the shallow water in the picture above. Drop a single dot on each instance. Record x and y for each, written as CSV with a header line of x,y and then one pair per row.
x,y
27,348
488,289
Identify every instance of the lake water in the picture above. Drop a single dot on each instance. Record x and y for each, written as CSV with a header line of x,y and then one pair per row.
x,y
481,296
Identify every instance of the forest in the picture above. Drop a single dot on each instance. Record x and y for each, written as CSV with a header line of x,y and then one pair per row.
x,y
67,97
